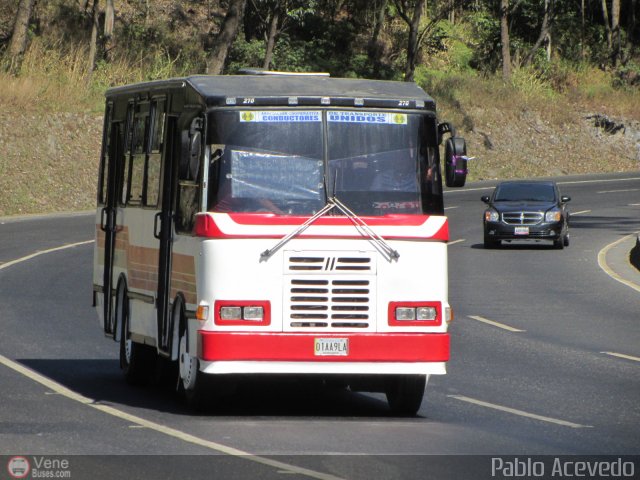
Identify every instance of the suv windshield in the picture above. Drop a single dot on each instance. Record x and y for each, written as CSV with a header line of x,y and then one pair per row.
x,y
521,192
276,161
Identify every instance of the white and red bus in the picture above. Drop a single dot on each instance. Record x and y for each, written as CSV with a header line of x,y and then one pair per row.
x,y
276,224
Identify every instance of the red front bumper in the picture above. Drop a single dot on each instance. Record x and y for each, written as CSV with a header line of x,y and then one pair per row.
x,y
292,347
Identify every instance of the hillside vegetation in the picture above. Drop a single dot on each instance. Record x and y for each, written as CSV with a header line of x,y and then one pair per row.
x,y
573,108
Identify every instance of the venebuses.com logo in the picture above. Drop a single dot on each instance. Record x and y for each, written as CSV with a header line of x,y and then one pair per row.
x,y
18,467
38,467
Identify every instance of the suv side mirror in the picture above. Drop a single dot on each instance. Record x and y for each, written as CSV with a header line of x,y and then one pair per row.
x,y
485,198
565,199
455,162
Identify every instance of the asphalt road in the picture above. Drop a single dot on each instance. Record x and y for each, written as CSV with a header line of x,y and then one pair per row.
x,y
545,361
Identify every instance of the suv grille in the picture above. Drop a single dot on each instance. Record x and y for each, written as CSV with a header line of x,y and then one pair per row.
x,y
522,218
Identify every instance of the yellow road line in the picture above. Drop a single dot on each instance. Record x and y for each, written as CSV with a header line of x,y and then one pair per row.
x,y
520,413
43,252
602,262
495,324
157,427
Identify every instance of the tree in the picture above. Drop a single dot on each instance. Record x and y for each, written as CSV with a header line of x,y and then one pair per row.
x,y
374,48
504,40
109,21
18,42
413,21
615,31
544,32
228,32
93,43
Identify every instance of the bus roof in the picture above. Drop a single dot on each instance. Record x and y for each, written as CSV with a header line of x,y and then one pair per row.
x,y
289,90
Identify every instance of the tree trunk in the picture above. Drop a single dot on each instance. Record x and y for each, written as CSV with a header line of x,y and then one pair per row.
x,y
605,14
93,45
226,36
18,43
374,50
109,21
412,46
504,38
616,41
582,54
271,40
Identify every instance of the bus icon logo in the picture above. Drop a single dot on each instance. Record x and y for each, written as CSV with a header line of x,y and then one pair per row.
x,y
18,467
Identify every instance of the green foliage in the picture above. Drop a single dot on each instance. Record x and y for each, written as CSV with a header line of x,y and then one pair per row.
x,y
486,41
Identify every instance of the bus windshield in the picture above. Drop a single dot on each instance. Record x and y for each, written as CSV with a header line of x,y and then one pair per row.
x,y
289,162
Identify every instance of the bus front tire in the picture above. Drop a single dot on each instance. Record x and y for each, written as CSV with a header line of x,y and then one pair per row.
x,y
404,393
191,382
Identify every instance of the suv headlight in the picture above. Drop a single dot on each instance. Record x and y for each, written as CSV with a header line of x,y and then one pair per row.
x,y
491,216
553,216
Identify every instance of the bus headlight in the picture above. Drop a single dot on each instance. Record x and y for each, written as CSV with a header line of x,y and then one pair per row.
x,y
242,312
415,314
426,313
231,313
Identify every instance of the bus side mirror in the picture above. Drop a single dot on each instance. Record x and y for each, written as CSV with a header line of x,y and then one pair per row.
x,y
445,127
455,162
191,150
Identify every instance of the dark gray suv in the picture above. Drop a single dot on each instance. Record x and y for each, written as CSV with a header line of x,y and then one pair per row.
x,y
526,210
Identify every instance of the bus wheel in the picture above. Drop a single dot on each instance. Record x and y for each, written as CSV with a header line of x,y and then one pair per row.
x,y
190,380
405,392
135,359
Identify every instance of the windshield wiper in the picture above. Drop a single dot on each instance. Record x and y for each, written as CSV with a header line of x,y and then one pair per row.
x,y
383,247
264,256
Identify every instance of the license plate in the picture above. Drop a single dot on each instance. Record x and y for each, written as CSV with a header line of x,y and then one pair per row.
x,y
521,231
331,347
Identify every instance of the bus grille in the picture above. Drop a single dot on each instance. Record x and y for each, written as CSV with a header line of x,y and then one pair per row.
x,y
329,291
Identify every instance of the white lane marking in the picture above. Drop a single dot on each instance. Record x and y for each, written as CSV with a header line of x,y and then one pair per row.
x,y
634,204
602,263
622,355
451,208
460,240
619,191
580,212
172,432
520,413
568,182
43,252
576,182
495,324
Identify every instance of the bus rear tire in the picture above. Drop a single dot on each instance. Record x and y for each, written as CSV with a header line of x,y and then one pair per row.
x,y
136,360
405,393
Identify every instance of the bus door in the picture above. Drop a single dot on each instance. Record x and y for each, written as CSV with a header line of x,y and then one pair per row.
x,y
109,192
163,231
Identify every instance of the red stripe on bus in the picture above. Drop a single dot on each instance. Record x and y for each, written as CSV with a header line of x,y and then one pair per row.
x,y
295,347
273,219
206,226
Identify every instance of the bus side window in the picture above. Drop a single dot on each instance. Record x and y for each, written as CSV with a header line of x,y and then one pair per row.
x,y
104,159
136,187
154,159
123,188
188,202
